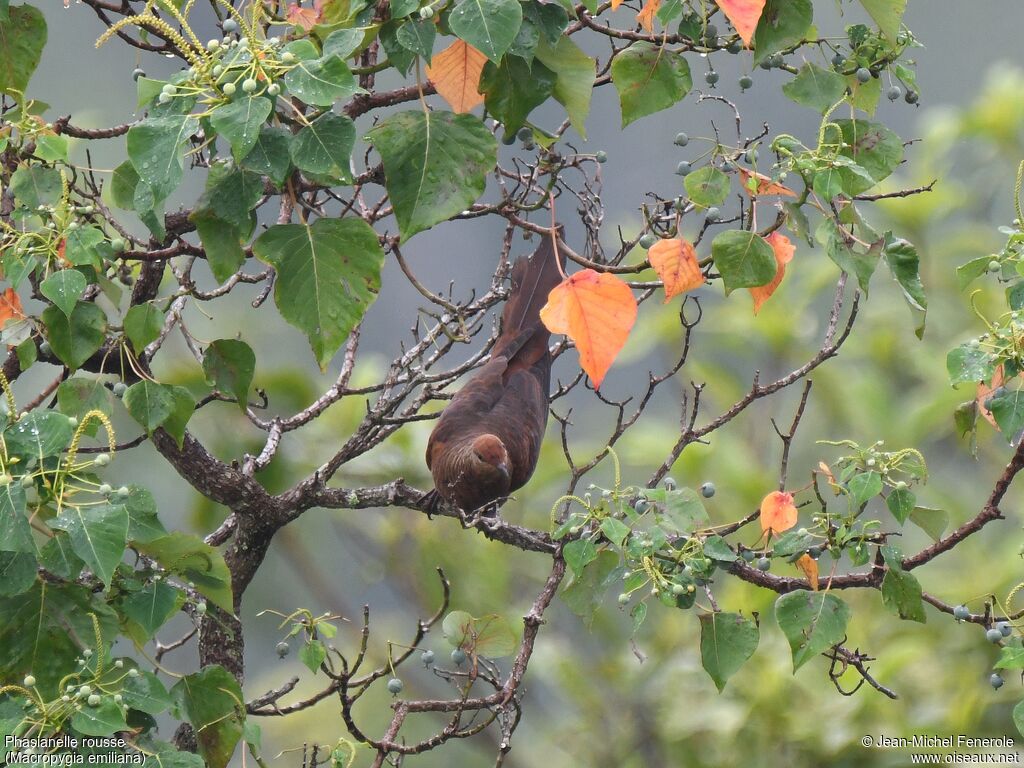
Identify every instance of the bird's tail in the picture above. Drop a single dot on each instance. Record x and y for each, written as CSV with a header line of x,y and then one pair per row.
x,y
523,336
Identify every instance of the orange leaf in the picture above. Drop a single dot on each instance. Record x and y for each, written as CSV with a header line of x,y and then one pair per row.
x,y
10,306
809,566
778,513
675,261
616,4
646,15
62,248
985,391
744,15
455,72
783,255
307,18
597,311
765,186
827,472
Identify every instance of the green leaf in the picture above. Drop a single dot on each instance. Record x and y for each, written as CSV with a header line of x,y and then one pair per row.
x,y
239,122
817,88
901,503
156,148
744,259
222,243
457,628
435,165
15,531
1018,716
34,185
142,325
490,26
861,264
551,19
152,606
575,72
614,530
887,15
121,189
493,637
184,407
211,700
864,486
649,78
812,622
417,36
901,595
965,417
18,572
143,523
321,81
231,193
150,403
931,521
707,186
969,364
727,640
196,561
145,693
269,155
22,38
325,147
399,57
873,147
1007,407
79,395
103,720
865,96
905,264
39,434
783,24
82,247
228,365
578,554
1010,658
684,511
585,592
98,535
312,654
57,557
27,354
525,44
328,274
64,288
717,548
514,88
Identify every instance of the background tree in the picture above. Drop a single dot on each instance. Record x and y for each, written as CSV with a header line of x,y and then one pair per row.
x,y
288,206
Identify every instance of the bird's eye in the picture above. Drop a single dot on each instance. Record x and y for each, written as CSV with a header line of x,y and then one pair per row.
x,y
478,455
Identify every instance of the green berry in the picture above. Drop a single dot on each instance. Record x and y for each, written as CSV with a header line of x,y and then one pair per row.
x,y
746,82
776,60
711,77
735,46
683,169
995,681
1004,628
124,492
623,599
105,489
201,608
713,215
117,245
764,563
133,672
647,240
863,74
641,506
212,45
137,73
893,93
682,140
287,57
282,649
994,266
218,70
707,490
273,89
426,12
85,690
119,388
748,555
838,61
751,156
118,698
910,97
29,681
229,25
678,589
524,134
710,32
164,97
458,656
229,89
993,635
427,657
102,459
119,664
249,85
94,700
601,156
669,483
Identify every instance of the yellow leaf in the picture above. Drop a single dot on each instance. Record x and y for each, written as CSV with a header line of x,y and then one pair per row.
x,y
985,391
765,185
597,311
675,261
455,72
784,250
809,566
778,513
646,15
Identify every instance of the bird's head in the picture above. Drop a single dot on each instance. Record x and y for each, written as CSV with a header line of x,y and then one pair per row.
x,y
491,457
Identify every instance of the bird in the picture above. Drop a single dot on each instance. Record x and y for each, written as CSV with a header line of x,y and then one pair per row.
x,y
487,441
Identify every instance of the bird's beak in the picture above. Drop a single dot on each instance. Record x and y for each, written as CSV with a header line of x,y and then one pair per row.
x,y
505,470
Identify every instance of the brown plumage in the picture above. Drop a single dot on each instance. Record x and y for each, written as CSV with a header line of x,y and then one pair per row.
x,y
487,441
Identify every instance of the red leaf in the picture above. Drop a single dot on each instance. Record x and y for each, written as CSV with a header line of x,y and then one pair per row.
x,y
744,15
306,18
10,306
675,261
784,250
597,311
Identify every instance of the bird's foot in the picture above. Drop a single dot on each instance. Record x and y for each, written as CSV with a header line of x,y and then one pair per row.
x,y
430,502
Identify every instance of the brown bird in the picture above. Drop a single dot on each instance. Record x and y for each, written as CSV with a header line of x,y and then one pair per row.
x,y
487,441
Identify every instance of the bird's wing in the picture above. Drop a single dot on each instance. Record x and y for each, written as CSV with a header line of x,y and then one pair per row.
x,y
462,418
